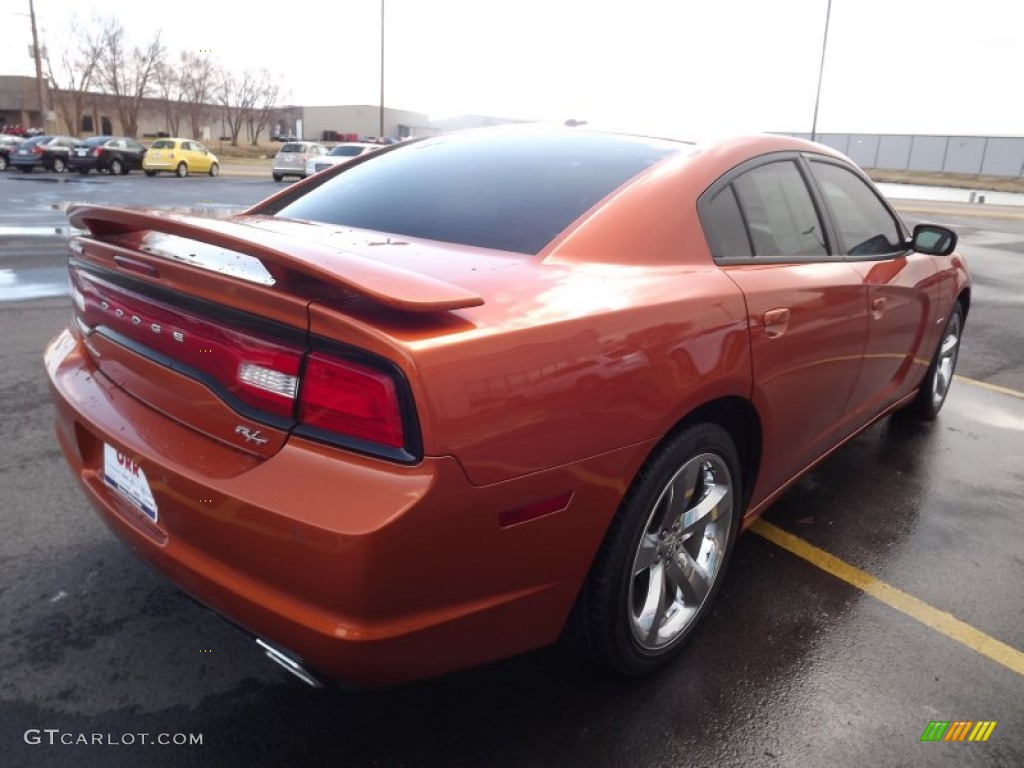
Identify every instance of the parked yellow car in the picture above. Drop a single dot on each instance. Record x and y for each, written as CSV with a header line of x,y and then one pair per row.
x,y
180,156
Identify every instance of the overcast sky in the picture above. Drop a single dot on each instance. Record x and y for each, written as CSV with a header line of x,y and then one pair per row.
x,y
669,66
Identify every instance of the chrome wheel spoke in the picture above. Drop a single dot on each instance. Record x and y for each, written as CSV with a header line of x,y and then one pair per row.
x,y
653,612
718,497
692,580
647,555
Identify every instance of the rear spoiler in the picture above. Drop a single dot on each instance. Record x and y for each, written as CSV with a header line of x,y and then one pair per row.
x,y
285,257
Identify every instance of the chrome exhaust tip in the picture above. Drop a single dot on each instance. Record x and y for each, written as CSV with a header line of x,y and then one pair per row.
x,y
294,666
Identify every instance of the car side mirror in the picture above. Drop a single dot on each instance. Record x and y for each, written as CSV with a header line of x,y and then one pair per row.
x,y
934,240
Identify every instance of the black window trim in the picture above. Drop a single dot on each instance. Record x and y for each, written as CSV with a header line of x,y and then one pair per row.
x,y
823,213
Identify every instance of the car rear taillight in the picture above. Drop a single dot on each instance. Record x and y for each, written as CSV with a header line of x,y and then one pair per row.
x,y
351,400
98,151
38,150
265,371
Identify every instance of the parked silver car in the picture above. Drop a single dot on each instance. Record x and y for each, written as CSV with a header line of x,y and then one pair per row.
x,y
293,157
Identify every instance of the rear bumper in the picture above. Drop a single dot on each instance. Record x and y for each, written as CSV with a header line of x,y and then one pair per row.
x,y
368,572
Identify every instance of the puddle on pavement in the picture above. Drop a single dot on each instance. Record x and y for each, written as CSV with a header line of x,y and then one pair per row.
x,y
33,283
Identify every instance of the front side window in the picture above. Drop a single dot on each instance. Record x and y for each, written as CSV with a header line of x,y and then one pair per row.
x,y
780,214
865,225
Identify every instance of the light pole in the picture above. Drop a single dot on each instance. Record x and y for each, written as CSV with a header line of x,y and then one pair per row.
x,y
821,71
40,93
380,134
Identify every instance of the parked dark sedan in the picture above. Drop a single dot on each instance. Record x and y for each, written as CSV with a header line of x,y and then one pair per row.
x,y
7,143
116,154
49,152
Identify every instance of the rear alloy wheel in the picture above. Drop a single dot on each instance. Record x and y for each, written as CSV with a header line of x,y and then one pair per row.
x,y
214,169
664,555
116,168
937,381
3,163
59,166
182,170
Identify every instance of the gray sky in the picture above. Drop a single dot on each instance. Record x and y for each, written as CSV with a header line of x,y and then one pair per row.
x,y
674,67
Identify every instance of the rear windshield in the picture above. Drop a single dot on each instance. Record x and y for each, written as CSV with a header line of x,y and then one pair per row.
x,y
293,148
347,150
513,191
163,144
96,141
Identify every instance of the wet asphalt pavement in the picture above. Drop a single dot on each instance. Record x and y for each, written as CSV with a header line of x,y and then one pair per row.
x,y
793,668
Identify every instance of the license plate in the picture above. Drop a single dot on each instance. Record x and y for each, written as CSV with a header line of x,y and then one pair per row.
x,y
127,478
81,152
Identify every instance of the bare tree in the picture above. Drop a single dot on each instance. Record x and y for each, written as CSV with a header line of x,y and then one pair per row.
x,y
268,93
128,74
237,96
171,79
74,73
199,78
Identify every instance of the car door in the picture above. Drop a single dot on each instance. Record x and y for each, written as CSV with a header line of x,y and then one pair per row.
x,y
806,308
199,157
901,286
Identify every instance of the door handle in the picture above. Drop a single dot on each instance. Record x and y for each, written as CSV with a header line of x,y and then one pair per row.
x,y
877,308
776,321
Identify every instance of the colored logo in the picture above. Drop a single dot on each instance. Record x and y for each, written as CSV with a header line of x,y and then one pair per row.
x,y
958,730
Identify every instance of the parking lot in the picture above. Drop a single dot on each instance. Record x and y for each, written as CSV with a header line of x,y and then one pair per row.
x,y
881,593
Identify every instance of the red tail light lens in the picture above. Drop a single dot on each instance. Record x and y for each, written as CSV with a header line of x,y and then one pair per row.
x,y
351,399
98,151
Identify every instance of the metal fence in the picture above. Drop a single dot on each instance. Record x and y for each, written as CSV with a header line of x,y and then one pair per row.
x,y
989,155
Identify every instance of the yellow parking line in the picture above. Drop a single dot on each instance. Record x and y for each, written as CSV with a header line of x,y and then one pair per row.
x,y
940,621
990,387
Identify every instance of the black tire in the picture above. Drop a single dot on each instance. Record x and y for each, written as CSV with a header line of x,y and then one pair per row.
x,y
59,166
151,174
181,170
277,176
939,377
3,163
116,167
614,620
25,168
84,171
214,169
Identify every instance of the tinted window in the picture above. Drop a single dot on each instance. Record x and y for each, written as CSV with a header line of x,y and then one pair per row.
x,y
96,141
509,190
779,211
865,225
347,150
724,224
293,148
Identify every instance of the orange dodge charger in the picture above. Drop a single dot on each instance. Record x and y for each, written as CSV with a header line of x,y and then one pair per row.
x,y
448,401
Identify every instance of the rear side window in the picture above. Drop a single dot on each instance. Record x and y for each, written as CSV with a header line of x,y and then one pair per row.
x,y
865,225
725,228
163,144
505,190
779,212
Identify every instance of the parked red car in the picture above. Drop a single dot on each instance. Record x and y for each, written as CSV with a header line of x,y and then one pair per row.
x,y
446,402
